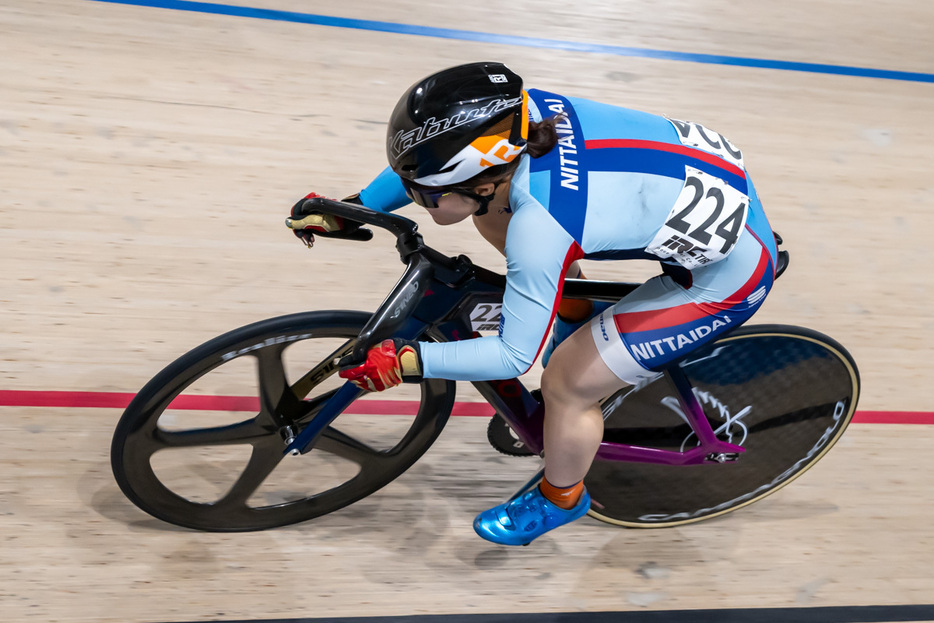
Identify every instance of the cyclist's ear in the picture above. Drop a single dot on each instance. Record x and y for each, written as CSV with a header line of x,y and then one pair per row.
x,y
485,190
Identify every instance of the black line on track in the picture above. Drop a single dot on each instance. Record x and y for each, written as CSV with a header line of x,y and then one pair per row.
x,y
829,614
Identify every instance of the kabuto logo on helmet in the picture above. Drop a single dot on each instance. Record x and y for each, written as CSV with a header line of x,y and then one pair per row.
x,y
404,141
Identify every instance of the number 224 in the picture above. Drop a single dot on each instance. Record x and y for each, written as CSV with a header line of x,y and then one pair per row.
x,y
728,229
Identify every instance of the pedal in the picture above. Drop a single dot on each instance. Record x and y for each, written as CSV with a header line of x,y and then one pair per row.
x,y
723,457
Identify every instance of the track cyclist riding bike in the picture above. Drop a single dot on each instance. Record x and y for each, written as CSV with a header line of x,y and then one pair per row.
x,y
548,180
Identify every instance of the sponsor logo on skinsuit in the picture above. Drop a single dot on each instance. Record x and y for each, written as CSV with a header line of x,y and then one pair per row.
x,y
667,345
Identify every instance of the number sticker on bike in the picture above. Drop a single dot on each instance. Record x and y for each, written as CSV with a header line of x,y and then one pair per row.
x,y
704,224
695,135
486,316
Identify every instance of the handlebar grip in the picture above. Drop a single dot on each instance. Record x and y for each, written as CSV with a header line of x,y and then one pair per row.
x,y
399,226
327,228
321,221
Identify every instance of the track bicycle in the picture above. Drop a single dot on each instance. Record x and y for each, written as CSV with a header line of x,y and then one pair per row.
x,y
733,422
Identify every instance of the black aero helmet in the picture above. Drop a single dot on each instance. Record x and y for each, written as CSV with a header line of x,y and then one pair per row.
x,y
457,123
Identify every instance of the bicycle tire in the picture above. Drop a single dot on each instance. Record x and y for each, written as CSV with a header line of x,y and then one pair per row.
x,y
784,393
138,436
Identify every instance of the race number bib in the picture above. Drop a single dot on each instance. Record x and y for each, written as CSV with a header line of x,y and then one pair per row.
x,y
695,135
704,224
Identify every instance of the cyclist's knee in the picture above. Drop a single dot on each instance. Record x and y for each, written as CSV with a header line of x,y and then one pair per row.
x,y
572,379
559,380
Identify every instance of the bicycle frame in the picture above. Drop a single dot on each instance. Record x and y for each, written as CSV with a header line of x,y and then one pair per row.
x,y
434,298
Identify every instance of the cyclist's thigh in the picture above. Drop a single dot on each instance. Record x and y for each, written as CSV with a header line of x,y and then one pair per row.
x,y
662,321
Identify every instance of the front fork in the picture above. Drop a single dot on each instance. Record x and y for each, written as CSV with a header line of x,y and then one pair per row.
x,y
393,318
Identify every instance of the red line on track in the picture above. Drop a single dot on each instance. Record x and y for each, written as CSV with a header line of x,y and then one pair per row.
x,y
893,417
119,400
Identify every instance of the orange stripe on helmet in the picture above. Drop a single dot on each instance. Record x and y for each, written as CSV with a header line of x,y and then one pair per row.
x,y
486,143
525,115
496,144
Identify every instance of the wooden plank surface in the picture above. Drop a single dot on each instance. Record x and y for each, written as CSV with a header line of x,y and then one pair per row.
x,y
148,157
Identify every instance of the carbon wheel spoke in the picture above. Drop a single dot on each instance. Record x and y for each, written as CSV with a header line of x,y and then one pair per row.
x,y
263,461
275,396
248,431
340,444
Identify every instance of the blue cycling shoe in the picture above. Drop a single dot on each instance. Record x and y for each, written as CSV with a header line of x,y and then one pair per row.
x,y
525,518
564,329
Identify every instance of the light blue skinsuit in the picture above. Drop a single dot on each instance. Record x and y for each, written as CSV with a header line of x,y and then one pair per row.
x,y
621,184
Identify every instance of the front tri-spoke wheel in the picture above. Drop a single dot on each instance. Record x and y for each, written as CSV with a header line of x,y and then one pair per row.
x,y
202,444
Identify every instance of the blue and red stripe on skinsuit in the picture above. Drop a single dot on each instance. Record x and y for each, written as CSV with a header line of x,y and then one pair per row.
x,y
655,338
660,158
574,253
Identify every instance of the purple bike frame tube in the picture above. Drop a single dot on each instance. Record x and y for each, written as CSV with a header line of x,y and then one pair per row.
x,y
639,454
694,413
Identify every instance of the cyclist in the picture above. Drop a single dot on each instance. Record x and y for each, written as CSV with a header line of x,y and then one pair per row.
x,y
549,180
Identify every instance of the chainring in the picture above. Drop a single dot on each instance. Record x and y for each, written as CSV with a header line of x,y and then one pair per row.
x,y
504,440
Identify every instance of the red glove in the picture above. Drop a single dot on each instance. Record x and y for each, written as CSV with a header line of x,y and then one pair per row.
x,y
387,365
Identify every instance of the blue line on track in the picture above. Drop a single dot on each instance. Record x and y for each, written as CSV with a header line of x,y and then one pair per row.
x,y
533,42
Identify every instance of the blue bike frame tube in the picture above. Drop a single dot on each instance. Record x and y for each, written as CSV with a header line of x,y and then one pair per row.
x,y
328,413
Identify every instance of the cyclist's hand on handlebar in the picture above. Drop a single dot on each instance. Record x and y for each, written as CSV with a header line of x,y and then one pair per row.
x,y
387,365
323,224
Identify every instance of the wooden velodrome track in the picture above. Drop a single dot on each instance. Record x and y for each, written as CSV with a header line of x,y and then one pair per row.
x,y
148,155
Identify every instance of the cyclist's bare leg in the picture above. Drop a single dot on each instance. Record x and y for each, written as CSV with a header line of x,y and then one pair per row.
x,y
574,382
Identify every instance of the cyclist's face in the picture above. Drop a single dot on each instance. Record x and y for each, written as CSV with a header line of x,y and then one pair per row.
x,y
452,208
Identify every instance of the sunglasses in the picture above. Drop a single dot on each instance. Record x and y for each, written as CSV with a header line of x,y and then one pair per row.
x,y
427,196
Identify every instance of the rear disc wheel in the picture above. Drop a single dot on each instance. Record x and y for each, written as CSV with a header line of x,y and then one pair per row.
x,y
785,394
